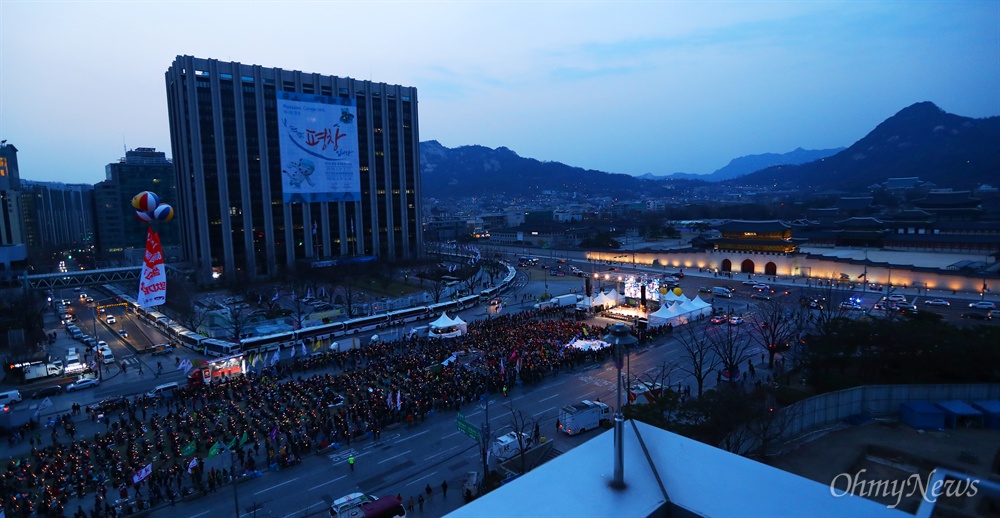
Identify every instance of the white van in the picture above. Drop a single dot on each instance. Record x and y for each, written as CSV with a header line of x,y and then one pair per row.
x,y
10,397
106,355
720,291
165,390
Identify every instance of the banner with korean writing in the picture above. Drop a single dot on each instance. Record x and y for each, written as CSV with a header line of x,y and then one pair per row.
x,y
318,141
153,281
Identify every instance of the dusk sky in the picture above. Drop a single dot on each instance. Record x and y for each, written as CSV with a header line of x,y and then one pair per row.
x,y
621,87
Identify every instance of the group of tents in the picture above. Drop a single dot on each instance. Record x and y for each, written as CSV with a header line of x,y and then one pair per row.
x,y
676,309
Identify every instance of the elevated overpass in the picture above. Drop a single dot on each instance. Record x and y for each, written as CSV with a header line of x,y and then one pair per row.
x,y
91,277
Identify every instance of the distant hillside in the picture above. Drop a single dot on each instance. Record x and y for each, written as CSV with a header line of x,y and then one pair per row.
x,y
469,171
921,140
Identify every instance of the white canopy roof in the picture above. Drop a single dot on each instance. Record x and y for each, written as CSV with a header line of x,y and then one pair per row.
x,y
603,300
443,321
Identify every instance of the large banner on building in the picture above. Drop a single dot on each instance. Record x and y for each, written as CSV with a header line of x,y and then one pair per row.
x,y
153,281
318,139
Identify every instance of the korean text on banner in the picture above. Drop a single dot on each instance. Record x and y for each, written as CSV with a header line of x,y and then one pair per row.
x,y
153,281
318,142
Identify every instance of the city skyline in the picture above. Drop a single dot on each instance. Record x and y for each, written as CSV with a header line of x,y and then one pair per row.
x,y
633,87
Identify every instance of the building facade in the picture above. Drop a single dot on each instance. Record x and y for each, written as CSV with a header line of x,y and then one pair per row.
x,y
57,215
141,169
248,205
11,223
13,251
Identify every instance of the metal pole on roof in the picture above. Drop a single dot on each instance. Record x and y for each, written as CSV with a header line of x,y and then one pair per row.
x,y
620,335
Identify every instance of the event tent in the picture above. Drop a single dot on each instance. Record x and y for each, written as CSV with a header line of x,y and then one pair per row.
x,y
445,327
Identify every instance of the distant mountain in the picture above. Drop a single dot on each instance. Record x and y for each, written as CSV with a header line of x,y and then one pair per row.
x,y
750,163
921,140
476,171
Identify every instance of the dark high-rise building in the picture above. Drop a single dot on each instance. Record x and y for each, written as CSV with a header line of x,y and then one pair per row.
x,y
11,225
142,169
57,215
280,169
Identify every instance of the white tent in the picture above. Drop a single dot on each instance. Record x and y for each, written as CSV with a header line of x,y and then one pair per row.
x,y
443,321
662,316
445,327
613,295
603,300
671,297
460,324
701,303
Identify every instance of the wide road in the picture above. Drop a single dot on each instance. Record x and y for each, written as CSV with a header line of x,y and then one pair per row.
x,y
405,459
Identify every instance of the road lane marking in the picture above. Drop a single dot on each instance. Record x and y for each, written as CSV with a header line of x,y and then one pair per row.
x,y
421,478
279,485
330,482
394,456
410,437
300,510
544,411
548,398
447,436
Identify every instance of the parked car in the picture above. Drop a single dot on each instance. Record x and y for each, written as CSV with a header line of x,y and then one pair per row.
x,y
704,289
735,321
749,283
161,350
936,302
54,390
983,304
718,319
82,383
111,403
760,296
977,316
850,306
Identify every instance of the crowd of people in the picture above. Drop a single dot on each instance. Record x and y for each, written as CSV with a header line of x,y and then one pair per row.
x,y
269,421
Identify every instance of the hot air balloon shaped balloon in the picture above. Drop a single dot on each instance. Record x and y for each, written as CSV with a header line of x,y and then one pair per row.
x,y
145,201
144,216
677,291
163,212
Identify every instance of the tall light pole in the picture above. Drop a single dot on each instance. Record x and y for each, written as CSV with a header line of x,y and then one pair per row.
x,y
620,335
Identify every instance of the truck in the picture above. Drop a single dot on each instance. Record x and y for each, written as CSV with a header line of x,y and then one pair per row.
x,y
212,371
41,370
585,415
359,505
507,445
560,301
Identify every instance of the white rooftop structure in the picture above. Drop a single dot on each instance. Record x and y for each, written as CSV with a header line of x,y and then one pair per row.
x,y
665,474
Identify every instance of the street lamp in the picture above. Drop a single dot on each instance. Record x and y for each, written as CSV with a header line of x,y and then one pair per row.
x,y
621,337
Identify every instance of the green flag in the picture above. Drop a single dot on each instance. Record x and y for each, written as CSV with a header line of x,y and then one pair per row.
x,y
216,448
232,443
244,439
189,449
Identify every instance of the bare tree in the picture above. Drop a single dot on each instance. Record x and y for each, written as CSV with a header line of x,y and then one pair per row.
x,y
194,319
300,310
349,296
731,345
437,289
770,423
773,327
698,359
236,319
523,427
